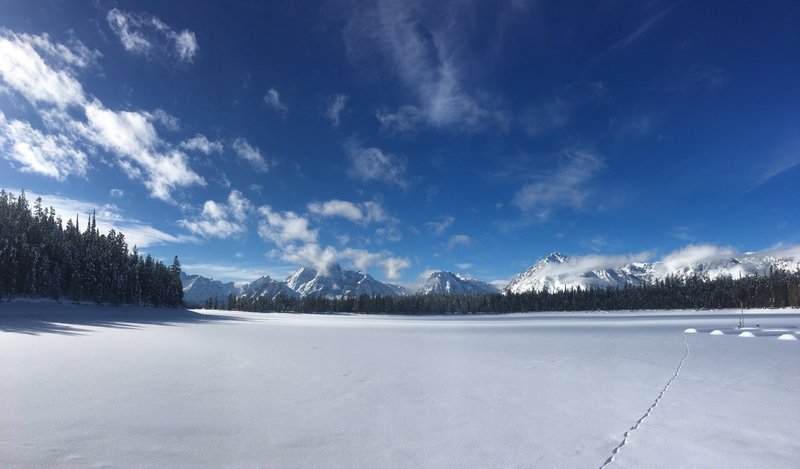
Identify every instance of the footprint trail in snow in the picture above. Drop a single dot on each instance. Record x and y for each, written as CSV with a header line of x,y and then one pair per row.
x,y
638,423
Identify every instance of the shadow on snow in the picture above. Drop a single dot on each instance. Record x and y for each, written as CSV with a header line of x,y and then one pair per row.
x,y
69,319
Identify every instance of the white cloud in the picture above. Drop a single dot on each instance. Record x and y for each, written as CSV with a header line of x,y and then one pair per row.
x,y
53,155
117,193
422,44
202,144
322,258
167,120
695,253
128,135
147,35
458,240
563,187
250,154
635,35
186,45
336,105
221,220
404,121
284,227
273,100
297,243
140,151
363,213
24,69
311,254
441,225
108,216
372,164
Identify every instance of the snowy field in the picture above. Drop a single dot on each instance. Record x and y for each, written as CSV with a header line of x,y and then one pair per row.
x,y
84,386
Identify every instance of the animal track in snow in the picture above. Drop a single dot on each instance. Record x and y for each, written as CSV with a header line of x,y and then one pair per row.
x,y
649,411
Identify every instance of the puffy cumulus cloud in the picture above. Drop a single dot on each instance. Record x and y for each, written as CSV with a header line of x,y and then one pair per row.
x,y
283,228
108,217
440,225
371,164
566,186
336,105
323,258
43,73
147,35
25,69
458,240
363,213
273,99
53,155
140,151
423,45
251,154
202,144
296,242
221,220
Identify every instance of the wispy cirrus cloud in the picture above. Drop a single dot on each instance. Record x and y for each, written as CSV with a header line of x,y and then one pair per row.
x,y
336,105
441,224
272,98
373,164
564,186
420,44
147,35
645,26
458,240
251,154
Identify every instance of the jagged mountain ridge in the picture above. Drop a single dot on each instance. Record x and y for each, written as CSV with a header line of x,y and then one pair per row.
x,y
449,283
306,281
560,272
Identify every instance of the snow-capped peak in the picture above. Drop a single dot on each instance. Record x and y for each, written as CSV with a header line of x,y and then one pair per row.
x,y
443,282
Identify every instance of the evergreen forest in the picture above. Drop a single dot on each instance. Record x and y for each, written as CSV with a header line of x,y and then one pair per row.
x,y
40,257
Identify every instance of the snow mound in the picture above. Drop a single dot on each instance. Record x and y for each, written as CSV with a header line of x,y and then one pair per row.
x,y
717,332
690,330
787,337
746,334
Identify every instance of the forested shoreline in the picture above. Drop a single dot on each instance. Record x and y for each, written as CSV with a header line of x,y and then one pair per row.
x,y
40,257
778,289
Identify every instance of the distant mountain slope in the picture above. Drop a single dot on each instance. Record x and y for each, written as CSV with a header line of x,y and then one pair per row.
x,y
303,282
559,272
449,283
338,282
197,289
266,287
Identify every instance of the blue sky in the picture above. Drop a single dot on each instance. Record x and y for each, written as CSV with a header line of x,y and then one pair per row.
x,y
397,137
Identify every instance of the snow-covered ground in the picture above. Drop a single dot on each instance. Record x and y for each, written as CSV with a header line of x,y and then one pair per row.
x,y
85,386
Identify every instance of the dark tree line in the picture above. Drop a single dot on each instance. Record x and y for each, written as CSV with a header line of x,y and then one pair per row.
x,y
776,290
39,257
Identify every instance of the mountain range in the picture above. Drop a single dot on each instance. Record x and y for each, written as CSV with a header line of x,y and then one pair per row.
x,y
553,272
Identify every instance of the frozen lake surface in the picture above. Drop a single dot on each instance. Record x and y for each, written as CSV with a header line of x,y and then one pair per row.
x,y
84,386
